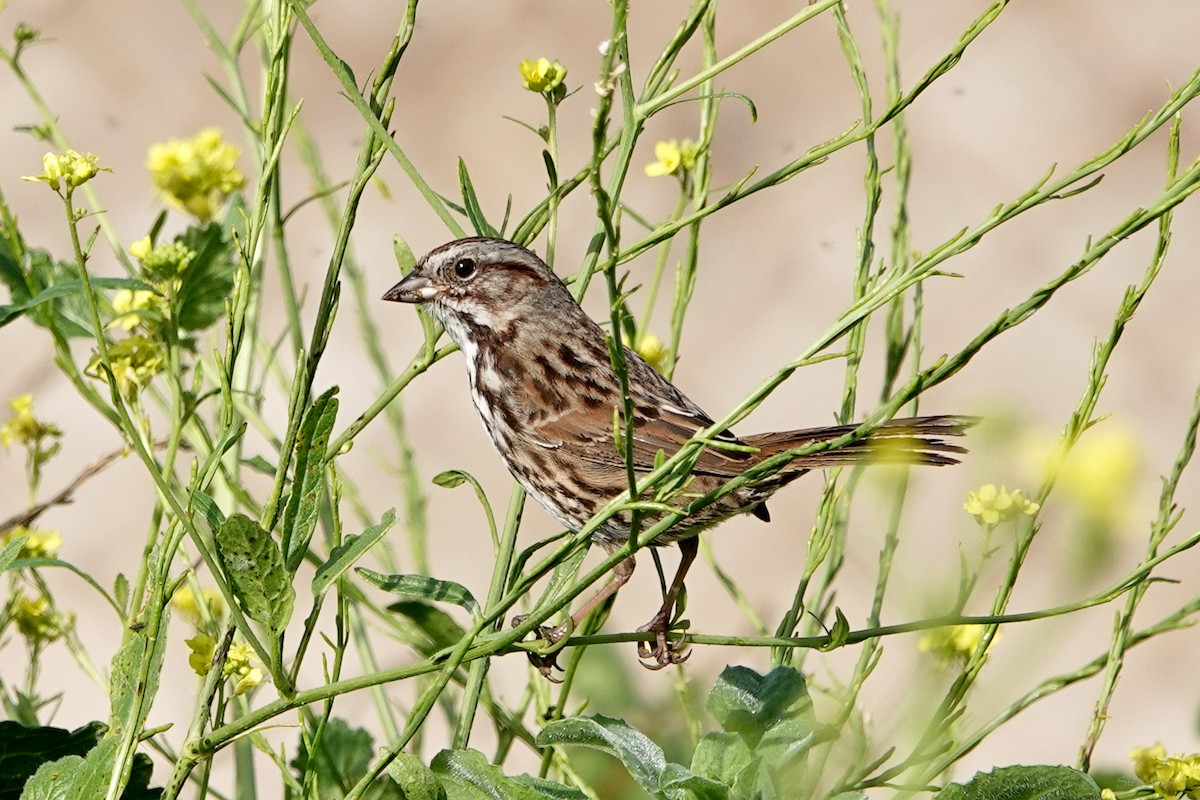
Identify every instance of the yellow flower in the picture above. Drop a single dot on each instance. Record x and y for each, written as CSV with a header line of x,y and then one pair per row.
x,y
991,506
141,248
135,360
1100,472
239,662
165,262
128,303
1170,777
203,648
543,76
72,168
952,642
673,156
185,603
651,349
196,174
37,621
27,430
39,544
239,666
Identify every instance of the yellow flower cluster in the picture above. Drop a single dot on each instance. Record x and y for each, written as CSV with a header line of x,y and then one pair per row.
x,y
951,643
70,168
135,360
25,429
991,506
37,620
239,662
1169,776
673,157
164,262
544,77
127,305
196,174
38,544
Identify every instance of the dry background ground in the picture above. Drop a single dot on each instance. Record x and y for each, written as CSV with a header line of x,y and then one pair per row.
x,y
1051,82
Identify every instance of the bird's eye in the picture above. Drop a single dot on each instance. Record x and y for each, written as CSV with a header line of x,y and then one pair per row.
x,y
464,268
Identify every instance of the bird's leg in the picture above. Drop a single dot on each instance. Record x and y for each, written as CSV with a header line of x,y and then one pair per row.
x,y
663,652
621,574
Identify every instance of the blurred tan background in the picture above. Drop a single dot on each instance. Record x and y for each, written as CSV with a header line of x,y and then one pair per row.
x,y
1050,82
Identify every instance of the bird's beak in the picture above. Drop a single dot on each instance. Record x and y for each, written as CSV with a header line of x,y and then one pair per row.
x,y
415,288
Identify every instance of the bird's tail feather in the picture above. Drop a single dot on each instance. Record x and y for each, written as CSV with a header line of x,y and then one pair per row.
x,y
912,440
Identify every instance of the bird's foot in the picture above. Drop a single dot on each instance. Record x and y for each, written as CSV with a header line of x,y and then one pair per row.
x,y
662,651
547,661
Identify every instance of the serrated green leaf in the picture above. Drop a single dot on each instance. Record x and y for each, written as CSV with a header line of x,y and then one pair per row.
x,y
422,587
440,628
26,748
304,502
643,759
468,775
1025,783
91,777
416,780
344,555
749,704
254,566
53,780
208,279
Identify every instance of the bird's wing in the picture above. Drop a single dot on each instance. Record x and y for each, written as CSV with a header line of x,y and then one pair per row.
x,y
664,418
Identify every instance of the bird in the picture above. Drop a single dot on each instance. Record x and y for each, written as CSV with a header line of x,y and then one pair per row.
x,y
542,380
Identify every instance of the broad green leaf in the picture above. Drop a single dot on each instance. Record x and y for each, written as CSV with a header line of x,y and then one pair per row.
x,y
53,780
26,748
783,752
10,270
726,758
749,704
254,566
1025,783
641,757
422,587
300,515
342,557
468,775
91,777
416,780
471,203
440,628
451,478
680,782
342,756
208,279
849,796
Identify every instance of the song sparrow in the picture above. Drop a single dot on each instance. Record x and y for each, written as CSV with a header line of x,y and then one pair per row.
x,y
545,389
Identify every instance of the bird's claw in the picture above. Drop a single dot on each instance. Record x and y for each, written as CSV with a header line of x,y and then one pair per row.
x,y
662,652
546,662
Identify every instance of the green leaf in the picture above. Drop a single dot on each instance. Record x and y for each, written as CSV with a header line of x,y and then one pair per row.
x,y
208,507
10,551
53,780
342,756
749,704
121,592
26,748
344,555
127,690
300,515
641,757
208,279
726,758
66,288
467,775
423,587
405,258
451,478
839,633
471,203
440,628
677,781
1025,783
259,464
416,780
254,566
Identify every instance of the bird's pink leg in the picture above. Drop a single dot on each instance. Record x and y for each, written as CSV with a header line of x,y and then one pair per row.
x,y
663,651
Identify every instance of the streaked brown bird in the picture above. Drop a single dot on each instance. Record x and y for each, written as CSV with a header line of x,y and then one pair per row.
x,y
544,386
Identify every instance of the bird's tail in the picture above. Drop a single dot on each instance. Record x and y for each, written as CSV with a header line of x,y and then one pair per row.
x,y
912,440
